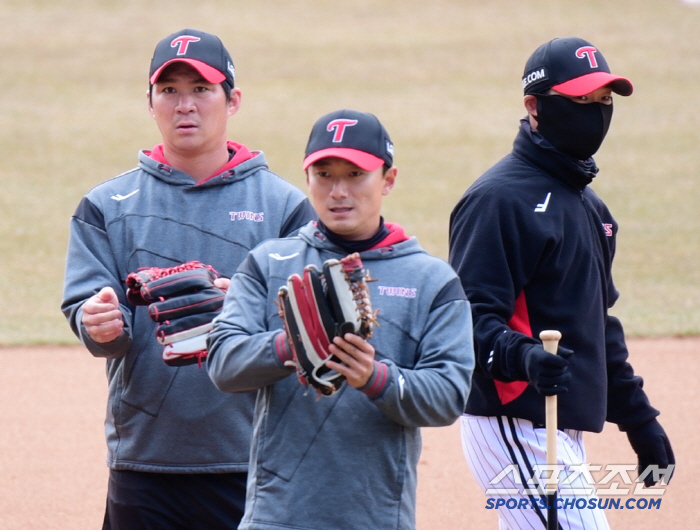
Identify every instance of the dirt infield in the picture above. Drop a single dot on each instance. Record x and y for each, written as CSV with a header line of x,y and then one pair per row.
x,y
52,452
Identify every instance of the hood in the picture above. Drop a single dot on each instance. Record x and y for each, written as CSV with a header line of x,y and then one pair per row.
x,y
397,243
243,164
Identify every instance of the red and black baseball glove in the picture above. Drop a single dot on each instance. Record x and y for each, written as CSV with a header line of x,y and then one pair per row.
x,y
183,300
319,306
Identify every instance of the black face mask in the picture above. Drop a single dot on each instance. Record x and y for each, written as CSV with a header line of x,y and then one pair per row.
x,y
577,129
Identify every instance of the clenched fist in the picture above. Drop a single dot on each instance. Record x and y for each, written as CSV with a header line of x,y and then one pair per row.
x,y
102,317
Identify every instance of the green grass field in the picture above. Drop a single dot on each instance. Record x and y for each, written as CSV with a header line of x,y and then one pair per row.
x,y
444,77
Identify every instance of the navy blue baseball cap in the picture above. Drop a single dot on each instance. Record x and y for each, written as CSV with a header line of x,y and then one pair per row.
x,y
358,137
203,51
571,66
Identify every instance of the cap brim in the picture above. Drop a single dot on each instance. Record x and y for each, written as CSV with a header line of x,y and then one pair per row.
x,y
586,84
359,158
209,73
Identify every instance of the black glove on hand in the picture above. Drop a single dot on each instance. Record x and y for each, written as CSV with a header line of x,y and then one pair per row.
x,y
548,373
652,446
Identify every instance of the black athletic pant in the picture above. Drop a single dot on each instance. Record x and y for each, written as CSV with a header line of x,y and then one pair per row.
x,y
164,501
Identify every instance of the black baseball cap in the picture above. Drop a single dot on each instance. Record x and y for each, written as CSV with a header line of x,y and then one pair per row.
x,y
571,66
358,137
202,50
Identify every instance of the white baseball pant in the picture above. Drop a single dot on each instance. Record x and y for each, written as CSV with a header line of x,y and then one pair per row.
x,y
494,444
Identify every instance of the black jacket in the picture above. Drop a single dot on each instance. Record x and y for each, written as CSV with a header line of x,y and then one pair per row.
x,y
533,246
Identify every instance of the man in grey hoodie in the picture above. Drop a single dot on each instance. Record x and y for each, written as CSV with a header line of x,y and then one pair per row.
x,y
177,447
348,460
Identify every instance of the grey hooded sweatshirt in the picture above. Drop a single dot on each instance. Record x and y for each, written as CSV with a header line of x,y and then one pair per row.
x,y
161,418
348,460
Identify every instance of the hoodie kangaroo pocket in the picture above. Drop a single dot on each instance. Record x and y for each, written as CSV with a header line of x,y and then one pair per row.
x,y
147,379
293,426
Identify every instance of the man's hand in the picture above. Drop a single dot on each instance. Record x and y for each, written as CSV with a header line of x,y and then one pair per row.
x,y
650,442
222,283
548,373
102,317
356,356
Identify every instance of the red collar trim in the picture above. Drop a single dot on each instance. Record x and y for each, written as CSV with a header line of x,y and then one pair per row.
x,y
241,154
397,235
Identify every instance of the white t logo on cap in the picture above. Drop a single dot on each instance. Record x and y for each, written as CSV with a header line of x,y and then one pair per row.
x,y
182,42
588,52
339,126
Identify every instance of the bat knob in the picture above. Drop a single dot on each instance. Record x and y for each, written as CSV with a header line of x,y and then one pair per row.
x,y
550,340
550,334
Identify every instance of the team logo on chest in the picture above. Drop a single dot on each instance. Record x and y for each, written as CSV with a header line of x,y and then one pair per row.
x,y
257,217
402,292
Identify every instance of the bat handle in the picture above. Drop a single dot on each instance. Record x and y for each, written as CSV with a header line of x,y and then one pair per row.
x,y
550,342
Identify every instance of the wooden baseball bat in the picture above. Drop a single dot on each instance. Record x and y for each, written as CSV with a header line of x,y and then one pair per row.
x,y
550,342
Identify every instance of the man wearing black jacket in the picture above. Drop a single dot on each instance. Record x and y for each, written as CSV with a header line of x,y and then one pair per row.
x,y
533,246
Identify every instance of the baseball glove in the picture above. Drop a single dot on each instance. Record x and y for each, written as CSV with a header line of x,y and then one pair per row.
x,y
183,300
319,306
